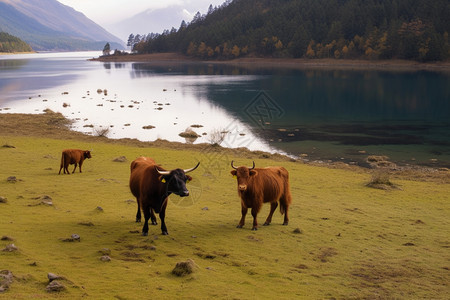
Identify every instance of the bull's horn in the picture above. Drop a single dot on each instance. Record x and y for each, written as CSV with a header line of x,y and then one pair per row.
x,y
253,166
233,165
162,172
192,169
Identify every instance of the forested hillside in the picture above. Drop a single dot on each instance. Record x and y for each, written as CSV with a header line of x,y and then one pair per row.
x,y
9,43
369,29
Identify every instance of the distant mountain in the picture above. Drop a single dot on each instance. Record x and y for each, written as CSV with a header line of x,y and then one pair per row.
x,y
151,20
48,25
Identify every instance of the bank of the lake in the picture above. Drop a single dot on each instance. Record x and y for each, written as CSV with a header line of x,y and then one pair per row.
x,y
293,63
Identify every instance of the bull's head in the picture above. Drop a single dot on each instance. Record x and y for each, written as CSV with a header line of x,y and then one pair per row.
x,y
243,175
87,154
176,180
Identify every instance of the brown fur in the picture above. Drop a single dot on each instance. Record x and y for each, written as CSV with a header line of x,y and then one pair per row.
x,y
73,156
261,185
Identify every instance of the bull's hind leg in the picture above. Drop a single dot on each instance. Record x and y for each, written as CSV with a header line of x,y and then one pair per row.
x,y
153,217
162,216
74,168
138,213
273,206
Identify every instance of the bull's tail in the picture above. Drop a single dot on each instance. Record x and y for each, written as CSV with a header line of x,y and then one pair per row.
x,y
286,199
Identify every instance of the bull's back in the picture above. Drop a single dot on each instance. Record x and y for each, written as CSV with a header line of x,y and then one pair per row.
x,y
141,168
72,156
272,182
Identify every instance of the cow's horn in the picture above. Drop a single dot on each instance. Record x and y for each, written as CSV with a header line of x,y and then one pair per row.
x,y
162,172
253,166
192,169
233,165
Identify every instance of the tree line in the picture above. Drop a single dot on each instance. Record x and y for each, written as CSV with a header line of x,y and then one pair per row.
x,y
368,29
10,43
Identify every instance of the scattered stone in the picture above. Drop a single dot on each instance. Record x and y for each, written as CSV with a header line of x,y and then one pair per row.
x,y
148,127
3,199
6,238
10,248
189,133
196,126
6,278
99,208
55,286
73,238
105,251
12,179
52,276
183,268
120,159
33,264
377,158
89,224
105,258
66,104
205,208
297,230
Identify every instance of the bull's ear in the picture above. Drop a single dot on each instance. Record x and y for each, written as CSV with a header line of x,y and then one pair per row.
x,y
189,178
253,173
162,179
233,172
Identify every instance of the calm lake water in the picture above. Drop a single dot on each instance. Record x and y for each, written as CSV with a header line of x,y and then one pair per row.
x,y
317,114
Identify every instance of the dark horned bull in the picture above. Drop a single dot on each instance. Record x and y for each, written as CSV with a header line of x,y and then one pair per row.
x,y
261,185
152,185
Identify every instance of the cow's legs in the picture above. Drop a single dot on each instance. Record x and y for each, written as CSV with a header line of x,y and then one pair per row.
x,y
146,210
153,217
73,168
286,217
138,213
162,216
242,221
79,165
273,206
255,214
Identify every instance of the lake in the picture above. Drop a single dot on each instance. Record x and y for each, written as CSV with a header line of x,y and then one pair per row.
x,y
326,115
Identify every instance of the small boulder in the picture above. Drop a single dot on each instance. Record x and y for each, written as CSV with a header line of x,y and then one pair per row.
x,y
120,159
3,199
10,248
184,268
55,286
105,258
6,278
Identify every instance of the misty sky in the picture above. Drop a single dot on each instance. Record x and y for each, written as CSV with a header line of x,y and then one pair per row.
x,y
105,12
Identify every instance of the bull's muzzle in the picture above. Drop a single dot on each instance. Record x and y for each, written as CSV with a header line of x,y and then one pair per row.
x,y
184,193
242,187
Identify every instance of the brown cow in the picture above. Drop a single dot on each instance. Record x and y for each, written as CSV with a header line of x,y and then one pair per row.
x,y
152,185
261,185
73,156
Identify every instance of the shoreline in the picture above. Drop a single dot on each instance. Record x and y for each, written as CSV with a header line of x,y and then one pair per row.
x,y
54,125
292,63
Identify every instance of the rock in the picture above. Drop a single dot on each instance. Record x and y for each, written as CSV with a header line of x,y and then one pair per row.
x,y
76,237
148,127
10,248
52,276
183,268
205,208
377,158
55,286
105,251
11,179
99,208
105,258
6,278
297,230
3,199
120,159
6,238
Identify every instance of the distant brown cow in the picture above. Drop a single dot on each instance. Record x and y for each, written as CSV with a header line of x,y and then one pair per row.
x,y
73,156
261,185
152,185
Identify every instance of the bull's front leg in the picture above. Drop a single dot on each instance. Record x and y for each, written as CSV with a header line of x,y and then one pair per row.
x,y
146,210
273,206
74,168
244,210
80,164
255,214
162,216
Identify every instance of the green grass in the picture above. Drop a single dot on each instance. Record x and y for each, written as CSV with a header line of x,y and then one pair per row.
x,y
354,241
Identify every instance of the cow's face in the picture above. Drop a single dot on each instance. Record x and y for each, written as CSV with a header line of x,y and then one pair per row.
x,y
243,175
87,154
176,182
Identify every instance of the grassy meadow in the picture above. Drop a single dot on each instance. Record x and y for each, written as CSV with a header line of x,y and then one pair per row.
x,y
344,240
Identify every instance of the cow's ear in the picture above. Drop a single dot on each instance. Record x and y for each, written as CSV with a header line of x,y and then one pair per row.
x,y
233,172
253,173
162,179
189,178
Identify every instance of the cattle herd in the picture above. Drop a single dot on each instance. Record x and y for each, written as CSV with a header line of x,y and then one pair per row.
x,y
151,185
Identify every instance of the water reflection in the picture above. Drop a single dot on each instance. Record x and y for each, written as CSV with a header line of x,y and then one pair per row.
x,y
324,114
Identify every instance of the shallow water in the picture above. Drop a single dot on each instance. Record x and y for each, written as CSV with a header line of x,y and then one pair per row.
x,y
318,114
